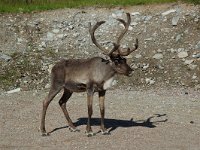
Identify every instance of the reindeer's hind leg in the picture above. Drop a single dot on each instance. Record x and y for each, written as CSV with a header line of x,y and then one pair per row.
x,y
52,93
66,95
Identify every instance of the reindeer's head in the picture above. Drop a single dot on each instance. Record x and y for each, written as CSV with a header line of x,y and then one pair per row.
x,y
120,65
117,54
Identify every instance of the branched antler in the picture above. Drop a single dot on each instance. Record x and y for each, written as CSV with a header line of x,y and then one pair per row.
x,y
126,26
120,51
116,49
92,31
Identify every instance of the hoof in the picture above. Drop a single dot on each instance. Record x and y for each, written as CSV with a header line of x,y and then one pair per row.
x,y
90,134
106,132
74,129
45,134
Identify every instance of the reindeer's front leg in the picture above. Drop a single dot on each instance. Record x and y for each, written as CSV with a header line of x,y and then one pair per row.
x,y
90,93
102,112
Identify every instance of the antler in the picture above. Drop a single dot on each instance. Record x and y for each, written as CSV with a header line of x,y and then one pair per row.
x,y
126,25
116,50
92,31
125,52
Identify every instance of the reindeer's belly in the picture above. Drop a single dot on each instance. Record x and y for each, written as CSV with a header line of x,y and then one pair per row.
x,y
75,87
82,87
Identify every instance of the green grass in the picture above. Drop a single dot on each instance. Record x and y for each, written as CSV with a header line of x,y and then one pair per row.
x,y
39,5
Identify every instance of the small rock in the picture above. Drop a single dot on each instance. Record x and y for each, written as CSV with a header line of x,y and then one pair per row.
x,y
198,45
117,13
43,44
178,37
172,50
145,29
182,54
155,34
196,55
149,81
145,66
196,19
159,51
147,18
197,87
187,62
160,67
192,122
168,12
134,23
47,86
50,68
158,56
19,40
134,66
175,20
114,82
194,77
60,36
186,31
13,91
44,67
167,30
148,39
71,27
56,50
165,19
76,35
138,56
55,30
192,67
50,36
180,50
135,13
130,28
5,57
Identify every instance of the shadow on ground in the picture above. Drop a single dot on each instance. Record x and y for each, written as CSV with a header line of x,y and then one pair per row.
x,y
113,124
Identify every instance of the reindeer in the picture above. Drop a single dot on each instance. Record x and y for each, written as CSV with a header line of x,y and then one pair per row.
x,y
88,75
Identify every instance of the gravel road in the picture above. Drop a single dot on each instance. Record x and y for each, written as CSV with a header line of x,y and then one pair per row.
x,y
158,119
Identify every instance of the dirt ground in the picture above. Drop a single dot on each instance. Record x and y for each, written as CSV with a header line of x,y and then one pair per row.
x,y
158,119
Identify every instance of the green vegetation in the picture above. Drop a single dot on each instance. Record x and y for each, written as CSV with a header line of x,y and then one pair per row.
x,y
196,2
37,5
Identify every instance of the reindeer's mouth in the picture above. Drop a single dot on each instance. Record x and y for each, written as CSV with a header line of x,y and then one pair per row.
x,y
127,73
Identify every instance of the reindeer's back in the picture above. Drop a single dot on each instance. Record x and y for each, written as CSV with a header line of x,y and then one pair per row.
x,y
82,71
